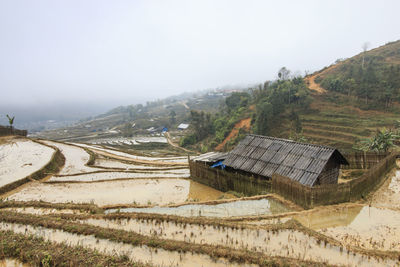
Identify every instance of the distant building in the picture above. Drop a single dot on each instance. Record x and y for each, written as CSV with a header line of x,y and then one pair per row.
x,y
183,126
307,164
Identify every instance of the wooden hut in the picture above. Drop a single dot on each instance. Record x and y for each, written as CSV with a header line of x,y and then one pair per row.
x,y
307,164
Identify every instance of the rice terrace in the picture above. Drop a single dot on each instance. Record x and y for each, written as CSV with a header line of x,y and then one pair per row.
x,y
199,133
115,207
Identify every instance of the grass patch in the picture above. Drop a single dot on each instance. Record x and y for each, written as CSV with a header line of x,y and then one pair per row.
x,y
90,208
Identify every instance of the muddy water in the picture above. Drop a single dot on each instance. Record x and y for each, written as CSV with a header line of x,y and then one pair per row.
x,y
394,185
388,195
366,227
110,163
236,208
285,243
327,218
42,211
104,176
200,192
104,151
12,263
139,191
144,254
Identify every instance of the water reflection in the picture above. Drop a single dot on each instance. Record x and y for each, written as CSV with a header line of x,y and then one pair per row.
x,y
264,206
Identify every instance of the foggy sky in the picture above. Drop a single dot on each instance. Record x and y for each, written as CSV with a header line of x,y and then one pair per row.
x,y
126,52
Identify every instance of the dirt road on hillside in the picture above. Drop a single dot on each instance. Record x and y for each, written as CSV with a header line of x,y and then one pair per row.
x,y
245,123
313,85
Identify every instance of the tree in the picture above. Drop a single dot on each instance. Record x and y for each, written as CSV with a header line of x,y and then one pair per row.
x,y
383,141
264,118
365,48
236,100
284,74
172,117
10,120
296,122
201,123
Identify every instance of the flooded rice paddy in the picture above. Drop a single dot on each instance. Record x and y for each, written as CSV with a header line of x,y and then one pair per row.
x,y
76,158
104,176
127,156
355,225
158,257
138,191
388,195
21,157
284,243
231,209
365,227
129,140
115,164
119,192
394,185
161,187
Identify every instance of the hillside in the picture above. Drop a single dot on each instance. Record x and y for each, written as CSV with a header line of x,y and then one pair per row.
x,y
337,106
344,104
139,119
371,78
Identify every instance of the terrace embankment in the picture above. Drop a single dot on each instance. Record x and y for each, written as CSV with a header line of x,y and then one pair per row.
x,y
22,250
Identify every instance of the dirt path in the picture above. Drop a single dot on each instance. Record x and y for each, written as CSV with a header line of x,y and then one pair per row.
x,y
169,140
313,85
245,123
185,105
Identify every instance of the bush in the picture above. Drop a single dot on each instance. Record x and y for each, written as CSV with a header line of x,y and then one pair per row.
x,y
188,140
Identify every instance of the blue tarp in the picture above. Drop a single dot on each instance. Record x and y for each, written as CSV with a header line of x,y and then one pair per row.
x,y
217,164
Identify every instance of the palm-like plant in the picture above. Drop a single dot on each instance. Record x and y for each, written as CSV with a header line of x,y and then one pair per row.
x,y
383,141
10,120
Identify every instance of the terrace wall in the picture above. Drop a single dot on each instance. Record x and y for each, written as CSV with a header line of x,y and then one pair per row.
x,y
309,197
9,130
228,181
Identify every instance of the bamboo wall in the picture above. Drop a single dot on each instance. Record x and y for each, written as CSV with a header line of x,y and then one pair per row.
x,y
363,160
378,164
309,197
228,181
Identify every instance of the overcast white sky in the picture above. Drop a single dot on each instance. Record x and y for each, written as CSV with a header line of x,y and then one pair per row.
x,y
128,51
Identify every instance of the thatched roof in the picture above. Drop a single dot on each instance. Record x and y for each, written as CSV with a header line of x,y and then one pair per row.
x,y
263,155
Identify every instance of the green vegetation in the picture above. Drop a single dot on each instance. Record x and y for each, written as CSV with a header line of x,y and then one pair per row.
x,y
10,120
267,104
383,141
373,76
38,252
